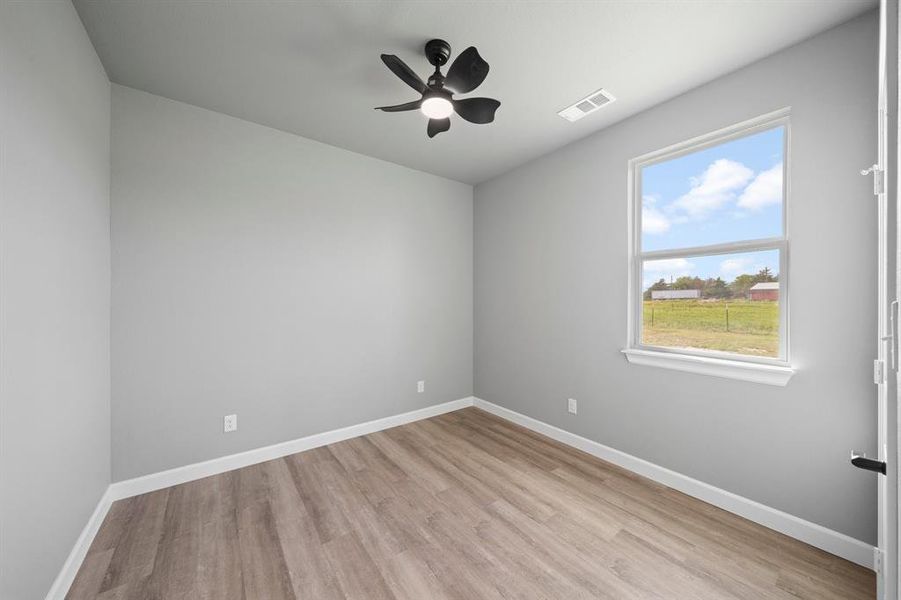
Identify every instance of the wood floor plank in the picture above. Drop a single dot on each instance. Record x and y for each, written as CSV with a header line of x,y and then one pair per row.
x,y
357,574
376,537
409,461
135,552
176,567
409,576
310,574
376,460
264,571
475,572
90,576
327,518
122,592
221,575
464,505
114,525
348,455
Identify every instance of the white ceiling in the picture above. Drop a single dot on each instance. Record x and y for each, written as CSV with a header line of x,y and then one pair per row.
x,y
313,68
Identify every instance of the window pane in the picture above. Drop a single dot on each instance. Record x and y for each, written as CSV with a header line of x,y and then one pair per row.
x,y
725,193
727,303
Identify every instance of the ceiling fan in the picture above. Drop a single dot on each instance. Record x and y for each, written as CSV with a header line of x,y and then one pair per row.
x,y
465,74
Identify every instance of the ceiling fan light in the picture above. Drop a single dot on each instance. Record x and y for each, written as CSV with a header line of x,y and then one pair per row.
x,y
437,107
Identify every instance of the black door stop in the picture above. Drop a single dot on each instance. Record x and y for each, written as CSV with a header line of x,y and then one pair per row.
x,y
869,464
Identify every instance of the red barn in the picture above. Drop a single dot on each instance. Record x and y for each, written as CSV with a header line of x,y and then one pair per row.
x,y
765,291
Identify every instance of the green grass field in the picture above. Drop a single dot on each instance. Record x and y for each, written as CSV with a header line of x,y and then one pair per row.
x,y
753,327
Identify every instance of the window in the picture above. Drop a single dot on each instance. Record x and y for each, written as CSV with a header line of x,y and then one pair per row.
x,y
709,254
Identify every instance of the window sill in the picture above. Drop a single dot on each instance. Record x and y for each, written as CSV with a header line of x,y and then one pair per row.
x,y
716,367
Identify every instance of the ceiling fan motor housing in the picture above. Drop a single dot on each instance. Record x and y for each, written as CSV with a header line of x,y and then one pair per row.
x,y
437,52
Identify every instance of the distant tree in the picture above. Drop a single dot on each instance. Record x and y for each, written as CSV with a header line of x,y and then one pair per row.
x,y
716,288
741,284
660,284
765,275
686,282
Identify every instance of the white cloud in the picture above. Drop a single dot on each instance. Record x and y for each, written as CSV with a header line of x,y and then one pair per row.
x,y
734,266
714,188
669,266
652,220
666,268
766,189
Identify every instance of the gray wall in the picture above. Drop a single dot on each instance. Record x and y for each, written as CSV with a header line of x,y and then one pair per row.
x,y
550,293
301,286
54,290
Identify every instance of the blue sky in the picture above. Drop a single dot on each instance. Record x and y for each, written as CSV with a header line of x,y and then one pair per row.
x,y
725,193
729,192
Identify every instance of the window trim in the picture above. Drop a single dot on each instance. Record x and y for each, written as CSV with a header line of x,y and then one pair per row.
x,y
688,359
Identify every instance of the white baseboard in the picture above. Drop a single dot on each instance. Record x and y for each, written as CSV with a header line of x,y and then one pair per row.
x,y
67,574
810,533
816,535
164,479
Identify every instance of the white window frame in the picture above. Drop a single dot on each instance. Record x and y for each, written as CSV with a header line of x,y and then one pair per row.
x,y
760,369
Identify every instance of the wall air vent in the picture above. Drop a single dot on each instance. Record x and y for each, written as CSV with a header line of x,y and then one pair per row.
x,y
587,105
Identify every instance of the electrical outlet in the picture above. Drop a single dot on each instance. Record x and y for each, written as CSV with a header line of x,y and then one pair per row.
x,y
230,423
572,406
420,386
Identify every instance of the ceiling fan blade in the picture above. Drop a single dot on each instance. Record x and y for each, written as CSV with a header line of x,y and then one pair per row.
x,y
436,126
401,107
467,72
406,74
476,110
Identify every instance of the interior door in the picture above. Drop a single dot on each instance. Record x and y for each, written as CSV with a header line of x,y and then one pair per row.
x,y
885,186
890,525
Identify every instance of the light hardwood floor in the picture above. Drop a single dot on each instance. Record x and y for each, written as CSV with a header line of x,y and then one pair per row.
x,y
464,505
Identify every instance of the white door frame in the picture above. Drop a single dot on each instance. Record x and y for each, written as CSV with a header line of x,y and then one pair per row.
x,y
890,56
889,290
